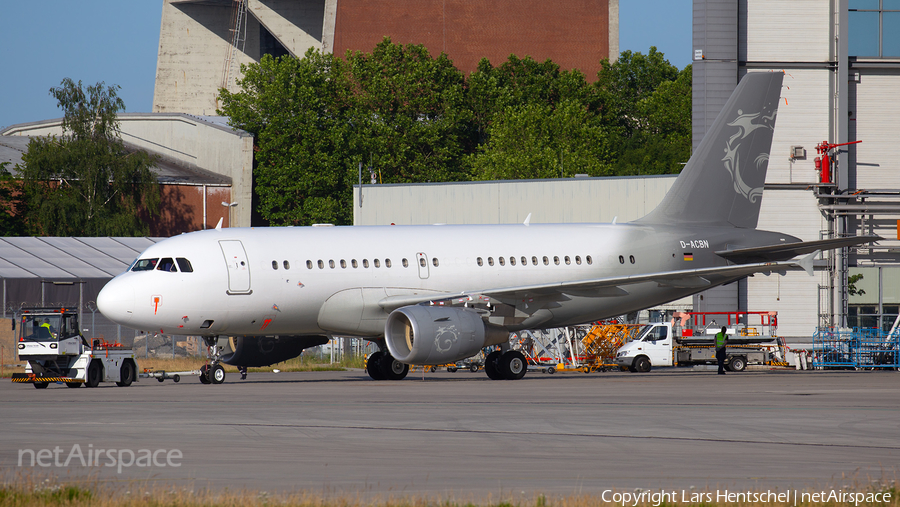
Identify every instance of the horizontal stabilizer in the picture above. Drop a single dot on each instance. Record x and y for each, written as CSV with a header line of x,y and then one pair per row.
x,y
787,251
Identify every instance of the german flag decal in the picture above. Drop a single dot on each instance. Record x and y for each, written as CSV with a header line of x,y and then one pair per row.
x,y
688,256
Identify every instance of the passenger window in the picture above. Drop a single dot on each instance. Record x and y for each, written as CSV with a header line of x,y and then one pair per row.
x,y
502,261
275,265
534,260
321,264
568,260
621,260
546,261
490,261
578,260
287,265
524,261
556,260
309,264
184,265
589,260
405,263
512,261
354,263
435,261
387,263
631,258
331,263
145,265
376,263
480,261
343,264
422,262
166,264
365,263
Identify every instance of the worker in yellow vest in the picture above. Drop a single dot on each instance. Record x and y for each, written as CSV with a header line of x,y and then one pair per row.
x,y
721,341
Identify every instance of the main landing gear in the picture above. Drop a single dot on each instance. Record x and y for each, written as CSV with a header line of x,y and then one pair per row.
x,y
212,372
510,365
382,366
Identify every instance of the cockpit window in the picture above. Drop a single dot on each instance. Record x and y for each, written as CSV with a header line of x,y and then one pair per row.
x,y
145,265
166,264
184,265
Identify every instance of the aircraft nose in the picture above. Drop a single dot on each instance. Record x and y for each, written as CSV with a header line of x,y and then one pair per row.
x,y
116,301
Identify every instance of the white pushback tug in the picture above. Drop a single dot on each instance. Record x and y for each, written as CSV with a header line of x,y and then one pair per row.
x,y
50,340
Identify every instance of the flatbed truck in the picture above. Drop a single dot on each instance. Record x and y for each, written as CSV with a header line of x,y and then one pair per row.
x,y
674,344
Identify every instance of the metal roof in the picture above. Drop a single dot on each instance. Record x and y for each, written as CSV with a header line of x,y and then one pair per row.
x,y
68,258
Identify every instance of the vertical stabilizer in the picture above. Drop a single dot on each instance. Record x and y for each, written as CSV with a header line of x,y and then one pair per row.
x,y
723,181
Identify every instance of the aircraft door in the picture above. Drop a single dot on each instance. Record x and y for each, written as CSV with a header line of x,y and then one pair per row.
x,y
238,266
422,261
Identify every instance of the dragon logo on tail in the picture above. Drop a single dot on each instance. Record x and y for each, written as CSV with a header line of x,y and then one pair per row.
x,y
746,124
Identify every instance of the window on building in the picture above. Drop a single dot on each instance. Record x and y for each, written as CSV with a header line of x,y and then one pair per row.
x,y
874,30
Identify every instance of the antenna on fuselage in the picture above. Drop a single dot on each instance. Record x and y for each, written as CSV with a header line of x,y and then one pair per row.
x,y
219,225
527,221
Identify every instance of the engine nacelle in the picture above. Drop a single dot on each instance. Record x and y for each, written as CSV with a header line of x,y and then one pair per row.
x,y
267,350
438,335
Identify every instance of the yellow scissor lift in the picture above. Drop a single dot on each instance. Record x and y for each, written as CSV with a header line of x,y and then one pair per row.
x,y
598,348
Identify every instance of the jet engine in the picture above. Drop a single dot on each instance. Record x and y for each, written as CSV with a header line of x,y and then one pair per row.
x,y
267,350
438,335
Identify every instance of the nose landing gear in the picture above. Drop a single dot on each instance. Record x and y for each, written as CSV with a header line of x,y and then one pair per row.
x,y
212,372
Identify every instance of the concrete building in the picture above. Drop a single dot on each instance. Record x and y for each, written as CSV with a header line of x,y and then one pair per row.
x,y
203,43
842,64
202,163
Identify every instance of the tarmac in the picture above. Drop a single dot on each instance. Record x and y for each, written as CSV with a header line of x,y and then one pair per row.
x,y
460,435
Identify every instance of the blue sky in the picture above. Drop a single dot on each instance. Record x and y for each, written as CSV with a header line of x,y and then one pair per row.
x,y
116,41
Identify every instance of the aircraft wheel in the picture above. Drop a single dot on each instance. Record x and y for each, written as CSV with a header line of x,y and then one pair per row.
x,y
642,364
41,385
217,374
513,365
393,369
373,366
491,366
126,374
94,374
204,374
73,385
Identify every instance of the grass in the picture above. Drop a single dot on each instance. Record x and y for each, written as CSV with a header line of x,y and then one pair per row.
x,y
26,489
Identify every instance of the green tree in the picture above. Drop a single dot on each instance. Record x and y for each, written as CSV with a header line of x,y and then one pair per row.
x,y
85,182
11,223
298,112
646,105
537,141
315,119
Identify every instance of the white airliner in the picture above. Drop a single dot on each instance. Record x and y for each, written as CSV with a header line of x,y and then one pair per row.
x,y
436,294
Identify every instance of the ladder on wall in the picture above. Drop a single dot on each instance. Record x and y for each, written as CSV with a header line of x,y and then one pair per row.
x,y
238,38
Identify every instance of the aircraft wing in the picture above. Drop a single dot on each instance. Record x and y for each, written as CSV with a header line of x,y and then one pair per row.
x,y
790,250
601,287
